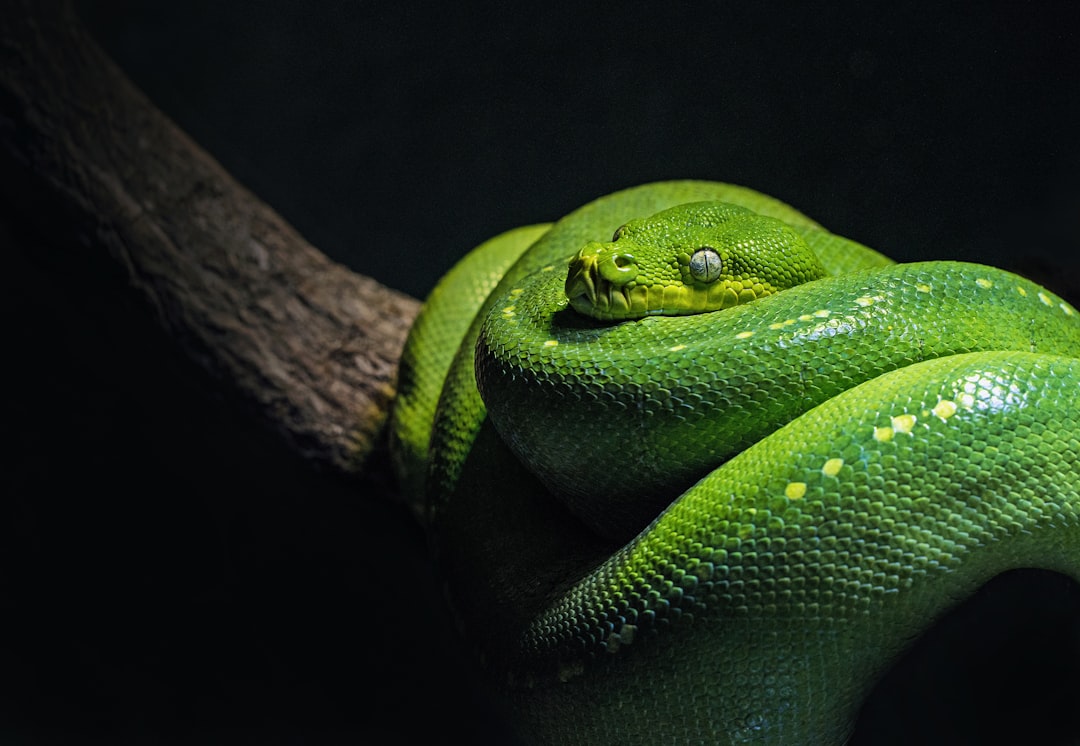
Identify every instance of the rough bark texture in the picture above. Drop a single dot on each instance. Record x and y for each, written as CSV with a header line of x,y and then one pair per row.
x,y
310,345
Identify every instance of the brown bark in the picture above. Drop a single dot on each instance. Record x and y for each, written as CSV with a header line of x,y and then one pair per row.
x,y
310,345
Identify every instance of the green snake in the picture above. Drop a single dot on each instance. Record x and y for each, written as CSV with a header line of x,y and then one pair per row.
x,y
697,469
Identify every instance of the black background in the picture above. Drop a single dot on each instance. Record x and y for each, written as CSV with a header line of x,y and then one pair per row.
x,y
171,576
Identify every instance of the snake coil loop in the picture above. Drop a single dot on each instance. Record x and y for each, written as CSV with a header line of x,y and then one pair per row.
x,y
721,526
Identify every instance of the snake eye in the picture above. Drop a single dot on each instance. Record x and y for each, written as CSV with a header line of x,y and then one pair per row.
x,y
706,265
618,232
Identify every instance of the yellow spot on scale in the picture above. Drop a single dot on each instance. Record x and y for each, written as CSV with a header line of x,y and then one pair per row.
x,y
832,467
984,283
744,335
1067,309
945,409
795,490
864,301
806,317
551,343
676,348
883,434
923,287
549,268
777,325
508,311
823,313
517,291
1045,299
1021,291
903,423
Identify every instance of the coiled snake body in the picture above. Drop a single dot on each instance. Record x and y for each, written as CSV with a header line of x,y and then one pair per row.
x,y
665,523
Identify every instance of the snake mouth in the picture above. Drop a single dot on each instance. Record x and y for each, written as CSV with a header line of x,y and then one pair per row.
x,y
592,295
602,300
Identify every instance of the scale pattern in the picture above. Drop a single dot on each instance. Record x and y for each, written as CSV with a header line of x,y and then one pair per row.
x,y
655,405
831,542
824,471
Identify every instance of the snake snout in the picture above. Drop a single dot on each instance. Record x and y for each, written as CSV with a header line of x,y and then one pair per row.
x,y
595,271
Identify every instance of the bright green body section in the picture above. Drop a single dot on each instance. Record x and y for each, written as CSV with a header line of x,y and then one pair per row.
x,y
732,522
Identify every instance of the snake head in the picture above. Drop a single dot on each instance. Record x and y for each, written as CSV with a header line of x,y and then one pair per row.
x,y
693,258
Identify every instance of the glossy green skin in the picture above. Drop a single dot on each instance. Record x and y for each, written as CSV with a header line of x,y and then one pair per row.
x,y
872,447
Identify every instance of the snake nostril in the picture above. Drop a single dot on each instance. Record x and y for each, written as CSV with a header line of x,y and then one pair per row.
x,y
618,269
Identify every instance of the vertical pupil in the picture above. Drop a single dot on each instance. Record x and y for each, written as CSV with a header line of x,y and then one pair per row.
x,y
705,265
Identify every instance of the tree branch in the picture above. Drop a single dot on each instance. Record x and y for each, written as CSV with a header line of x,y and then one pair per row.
x,y
311,346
